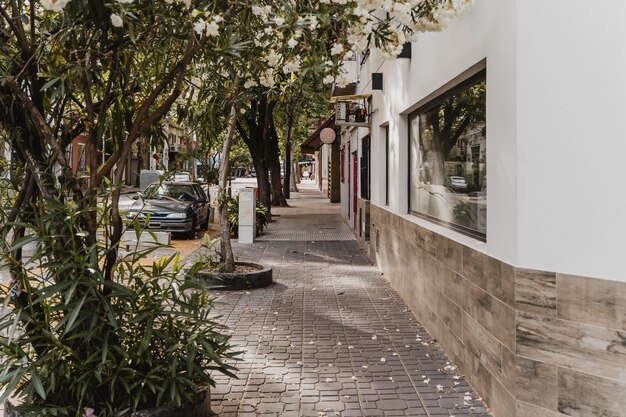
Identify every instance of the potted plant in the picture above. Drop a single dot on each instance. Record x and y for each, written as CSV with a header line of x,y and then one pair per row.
x,y
143,342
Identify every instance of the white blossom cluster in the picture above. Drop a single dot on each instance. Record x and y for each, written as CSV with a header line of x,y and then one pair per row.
x,y
281,38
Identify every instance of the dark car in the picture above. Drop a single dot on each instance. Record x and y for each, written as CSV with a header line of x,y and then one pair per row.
x,y
177,207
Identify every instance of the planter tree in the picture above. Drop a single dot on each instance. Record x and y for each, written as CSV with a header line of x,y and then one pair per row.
x,y
88,328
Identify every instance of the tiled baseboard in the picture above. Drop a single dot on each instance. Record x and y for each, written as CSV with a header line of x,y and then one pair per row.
x,y
533,343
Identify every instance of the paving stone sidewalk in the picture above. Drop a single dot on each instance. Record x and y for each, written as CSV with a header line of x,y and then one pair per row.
x,y
330,337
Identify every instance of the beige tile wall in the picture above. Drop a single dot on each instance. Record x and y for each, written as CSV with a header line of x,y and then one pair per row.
x,y
533,343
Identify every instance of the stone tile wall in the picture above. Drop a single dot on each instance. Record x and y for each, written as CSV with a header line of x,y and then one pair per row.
x,y
533,343
363,213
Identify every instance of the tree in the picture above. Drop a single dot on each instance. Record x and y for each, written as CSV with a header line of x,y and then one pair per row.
x,y
111,71
443,126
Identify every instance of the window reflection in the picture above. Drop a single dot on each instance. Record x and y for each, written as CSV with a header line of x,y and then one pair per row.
x,y
448,180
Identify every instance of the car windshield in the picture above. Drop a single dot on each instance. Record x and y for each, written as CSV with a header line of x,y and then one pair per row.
x,y
170,191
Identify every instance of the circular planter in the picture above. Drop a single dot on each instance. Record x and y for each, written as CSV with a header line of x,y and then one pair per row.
x,y
260,277
199,407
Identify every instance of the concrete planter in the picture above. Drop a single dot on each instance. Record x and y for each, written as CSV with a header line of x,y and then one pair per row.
x,y
260,277
200,407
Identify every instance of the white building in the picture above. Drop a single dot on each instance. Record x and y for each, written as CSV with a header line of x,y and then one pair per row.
x,y
523,281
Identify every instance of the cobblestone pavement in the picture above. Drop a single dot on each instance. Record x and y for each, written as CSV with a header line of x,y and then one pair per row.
x,y
330,337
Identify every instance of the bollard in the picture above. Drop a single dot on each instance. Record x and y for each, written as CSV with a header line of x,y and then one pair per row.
x,y
247,215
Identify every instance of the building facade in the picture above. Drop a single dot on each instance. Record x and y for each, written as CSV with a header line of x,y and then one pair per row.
x,y
487,189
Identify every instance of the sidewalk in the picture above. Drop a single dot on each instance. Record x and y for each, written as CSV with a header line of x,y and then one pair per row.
x,y
330,337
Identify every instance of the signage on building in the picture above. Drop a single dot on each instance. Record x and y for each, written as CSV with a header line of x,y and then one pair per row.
x,y
327,135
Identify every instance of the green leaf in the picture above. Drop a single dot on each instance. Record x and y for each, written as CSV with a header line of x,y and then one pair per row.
x,y
20,243
49,84
74,314
37,382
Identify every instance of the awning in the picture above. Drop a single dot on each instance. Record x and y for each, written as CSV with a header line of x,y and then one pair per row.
x,y
314,142
352,97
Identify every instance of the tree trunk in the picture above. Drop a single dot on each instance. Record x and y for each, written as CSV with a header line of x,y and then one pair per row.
x,y
262,180
278,199
227,256
273,158
294,178
287,182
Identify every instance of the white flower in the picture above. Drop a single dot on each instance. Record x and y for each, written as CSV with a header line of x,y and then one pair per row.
x,y
342,80
336,49
383,360
273,58
292,43
279,21
54,5
250,84
116,20
125,1
258,11
267,78
212,29
199,27
361,13
292,65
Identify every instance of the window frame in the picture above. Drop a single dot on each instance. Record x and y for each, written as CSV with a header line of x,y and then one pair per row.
x,y
426,107
386,165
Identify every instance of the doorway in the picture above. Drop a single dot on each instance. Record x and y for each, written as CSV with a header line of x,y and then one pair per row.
x,y
355,181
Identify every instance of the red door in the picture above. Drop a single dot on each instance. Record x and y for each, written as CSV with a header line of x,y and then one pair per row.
x,y
355,173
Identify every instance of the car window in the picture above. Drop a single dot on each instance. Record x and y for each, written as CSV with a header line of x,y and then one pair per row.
x,y
200,192
181,192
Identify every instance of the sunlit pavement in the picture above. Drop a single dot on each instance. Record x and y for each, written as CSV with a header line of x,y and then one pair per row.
x,y
330,337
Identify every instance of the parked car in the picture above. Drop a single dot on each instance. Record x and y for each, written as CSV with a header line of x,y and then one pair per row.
x,y
458,184
173,206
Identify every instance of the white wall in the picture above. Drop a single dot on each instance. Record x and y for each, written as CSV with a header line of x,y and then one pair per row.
x,y
556,142
572,137
485,31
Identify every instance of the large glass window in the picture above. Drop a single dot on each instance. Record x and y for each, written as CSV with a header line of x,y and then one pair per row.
x,y
448,175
